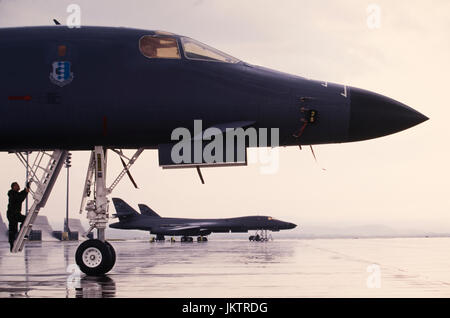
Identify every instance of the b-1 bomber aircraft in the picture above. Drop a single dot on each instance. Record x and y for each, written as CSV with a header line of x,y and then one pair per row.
x,y
149,220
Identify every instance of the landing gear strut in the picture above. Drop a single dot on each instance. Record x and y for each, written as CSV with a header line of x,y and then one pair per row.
x,y
97,256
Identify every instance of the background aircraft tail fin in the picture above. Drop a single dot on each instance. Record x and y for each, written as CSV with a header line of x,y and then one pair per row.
x,y
123,209
145,210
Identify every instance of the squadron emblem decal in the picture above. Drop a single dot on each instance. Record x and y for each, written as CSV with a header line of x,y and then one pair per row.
x,y
61,74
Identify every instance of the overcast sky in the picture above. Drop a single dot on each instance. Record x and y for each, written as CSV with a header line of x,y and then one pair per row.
x,y
398,180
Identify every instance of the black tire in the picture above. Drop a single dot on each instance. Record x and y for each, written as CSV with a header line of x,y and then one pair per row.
x,y
113,256
94,257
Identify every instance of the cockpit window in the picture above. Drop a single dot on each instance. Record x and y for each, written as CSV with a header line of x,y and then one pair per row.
x,y
159,47
195,50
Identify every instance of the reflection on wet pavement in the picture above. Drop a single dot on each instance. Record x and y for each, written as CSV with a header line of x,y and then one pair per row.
x,y
235,268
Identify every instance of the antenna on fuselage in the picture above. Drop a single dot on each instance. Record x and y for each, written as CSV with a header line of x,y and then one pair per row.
x,y
200,175
56,22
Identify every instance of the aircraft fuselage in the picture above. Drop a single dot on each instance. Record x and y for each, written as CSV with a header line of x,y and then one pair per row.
x,y
113,95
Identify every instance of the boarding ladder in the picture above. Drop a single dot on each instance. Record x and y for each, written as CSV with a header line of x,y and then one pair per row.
x,y
43,176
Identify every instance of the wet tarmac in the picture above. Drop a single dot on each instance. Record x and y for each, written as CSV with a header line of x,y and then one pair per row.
x,y
410,267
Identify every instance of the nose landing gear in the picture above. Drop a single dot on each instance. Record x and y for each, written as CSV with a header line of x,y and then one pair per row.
x,y
96,256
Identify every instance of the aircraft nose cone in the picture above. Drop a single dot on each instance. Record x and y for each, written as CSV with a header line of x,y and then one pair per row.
x,y
373,115
290,226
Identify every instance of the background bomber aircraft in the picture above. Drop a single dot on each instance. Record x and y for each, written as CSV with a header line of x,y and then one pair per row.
x,y
100,88
149,220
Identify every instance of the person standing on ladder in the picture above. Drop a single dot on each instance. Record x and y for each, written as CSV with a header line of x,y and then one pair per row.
x,y
16,199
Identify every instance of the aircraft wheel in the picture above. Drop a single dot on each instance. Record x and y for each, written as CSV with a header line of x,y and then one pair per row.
x,y
204,239
199,239
95,257
183,239
251,238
